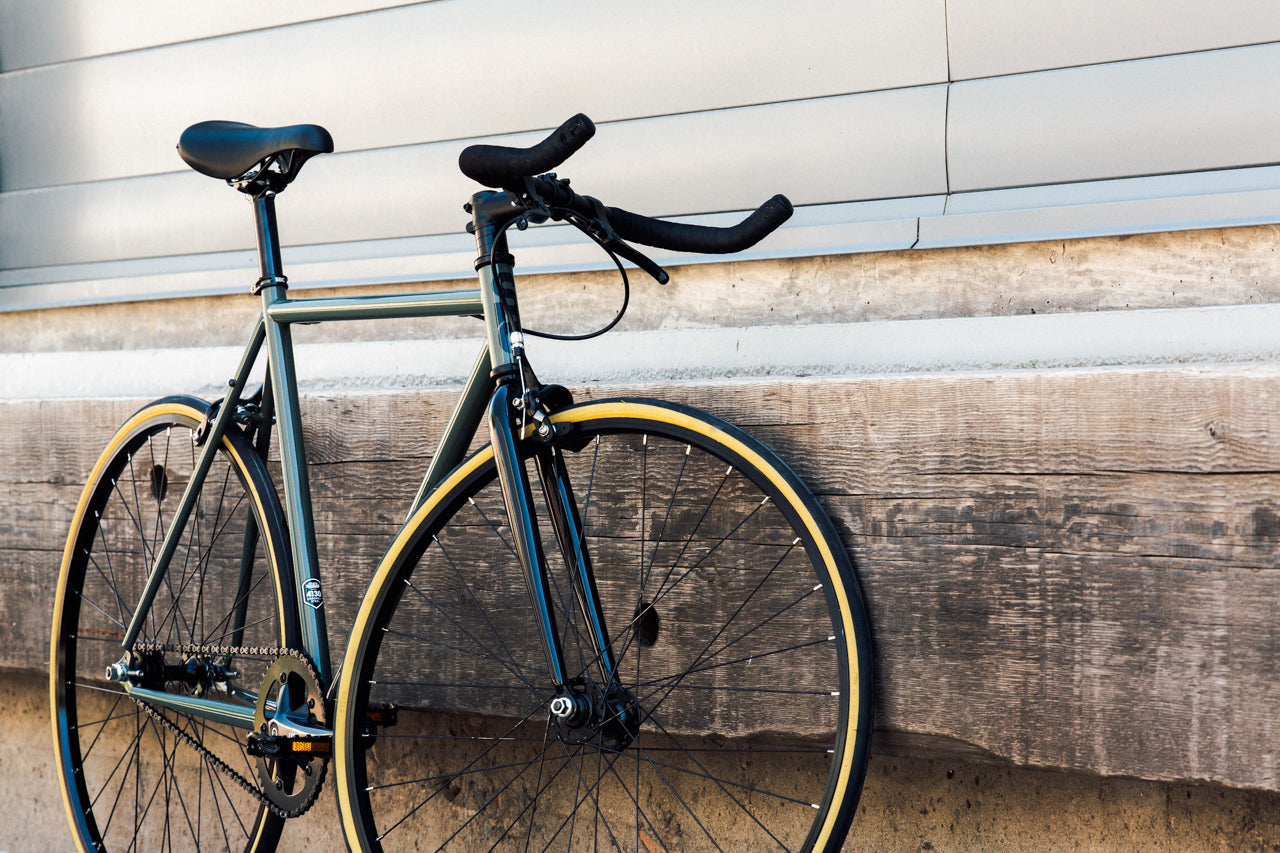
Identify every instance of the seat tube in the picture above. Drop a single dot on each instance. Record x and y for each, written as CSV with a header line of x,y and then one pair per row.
x,y
283,381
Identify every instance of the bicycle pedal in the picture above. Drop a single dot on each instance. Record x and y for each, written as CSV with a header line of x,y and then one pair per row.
x,y
279,746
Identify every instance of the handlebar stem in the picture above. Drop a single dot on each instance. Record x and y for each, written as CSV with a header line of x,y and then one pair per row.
x,y
491,212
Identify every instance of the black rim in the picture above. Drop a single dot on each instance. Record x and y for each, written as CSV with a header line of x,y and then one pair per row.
x,y
512,770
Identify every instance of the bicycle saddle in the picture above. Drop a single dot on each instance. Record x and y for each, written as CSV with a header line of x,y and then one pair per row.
x,y
230,149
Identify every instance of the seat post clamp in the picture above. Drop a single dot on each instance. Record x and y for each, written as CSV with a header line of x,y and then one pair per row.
x,y
270,281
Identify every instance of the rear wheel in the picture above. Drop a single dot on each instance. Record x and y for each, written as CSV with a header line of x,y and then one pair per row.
x,y
138,777
740,712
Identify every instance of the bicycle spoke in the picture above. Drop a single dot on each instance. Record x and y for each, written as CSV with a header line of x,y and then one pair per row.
x,y
101,724
429,641
108,578
465,768
659,536
507,660
589,793
538,790
169,781
126,759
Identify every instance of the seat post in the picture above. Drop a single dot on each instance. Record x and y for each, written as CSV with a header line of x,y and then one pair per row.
x,y
269,263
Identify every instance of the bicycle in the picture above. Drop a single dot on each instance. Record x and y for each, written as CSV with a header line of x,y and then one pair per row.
x,y
687,666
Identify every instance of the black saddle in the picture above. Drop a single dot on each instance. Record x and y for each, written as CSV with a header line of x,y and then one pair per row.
x,y
229,150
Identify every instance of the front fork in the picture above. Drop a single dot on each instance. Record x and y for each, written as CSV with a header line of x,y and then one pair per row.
x,y
510,407
510,449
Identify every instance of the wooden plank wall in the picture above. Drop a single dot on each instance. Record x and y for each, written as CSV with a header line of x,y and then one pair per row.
x,y
1066,568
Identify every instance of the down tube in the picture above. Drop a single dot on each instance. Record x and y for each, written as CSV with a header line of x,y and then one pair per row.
x,y
462,426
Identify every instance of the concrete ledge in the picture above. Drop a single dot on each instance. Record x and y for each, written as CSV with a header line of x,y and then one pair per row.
x,y
1226,334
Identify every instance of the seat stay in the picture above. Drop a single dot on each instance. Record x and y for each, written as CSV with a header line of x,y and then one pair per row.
x,y
178,523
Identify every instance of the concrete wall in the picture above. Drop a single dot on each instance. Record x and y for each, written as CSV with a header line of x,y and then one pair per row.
x,y
909,803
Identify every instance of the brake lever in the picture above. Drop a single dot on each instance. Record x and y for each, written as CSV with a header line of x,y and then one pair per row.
x,y
539,209
626,250
611,241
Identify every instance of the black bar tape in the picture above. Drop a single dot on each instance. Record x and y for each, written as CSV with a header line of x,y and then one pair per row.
x,y
500,165
703,239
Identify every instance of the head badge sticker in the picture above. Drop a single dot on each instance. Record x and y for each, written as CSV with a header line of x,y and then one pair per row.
x,y
311,593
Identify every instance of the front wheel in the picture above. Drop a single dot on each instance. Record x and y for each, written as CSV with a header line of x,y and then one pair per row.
x,y
739,712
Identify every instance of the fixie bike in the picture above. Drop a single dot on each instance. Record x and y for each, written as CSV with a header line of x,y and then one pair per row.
x,y
621,624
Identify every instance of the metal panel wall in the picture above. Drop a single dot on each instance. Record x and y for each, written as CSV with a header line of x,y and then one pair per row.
x,y
987,38
42,32
702,107
879,145
448,71
1186,113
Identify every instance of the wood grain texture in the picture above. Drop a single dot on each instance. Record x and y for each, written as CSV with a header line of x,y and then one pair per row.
x,y
1064,569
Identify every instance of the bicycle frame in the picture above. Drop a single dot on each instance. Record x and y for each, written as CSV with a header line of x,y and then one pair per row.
x,y
493,387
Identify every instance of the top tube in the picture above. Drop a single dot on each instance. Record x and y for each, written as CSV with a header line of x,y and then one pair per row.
x,y
445,303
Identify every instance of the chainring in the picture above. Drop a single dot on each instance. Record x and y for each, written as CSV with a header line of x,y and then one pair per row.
x,y
290,780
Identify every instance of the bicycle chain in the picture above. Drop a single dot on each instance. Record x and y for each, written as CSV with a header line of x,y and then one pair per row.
x,y
214,761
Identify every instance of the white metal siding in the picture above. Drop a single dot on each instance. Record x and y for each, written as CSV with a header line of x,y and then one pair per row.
x,y
42,32
988,38
848,107
1193,112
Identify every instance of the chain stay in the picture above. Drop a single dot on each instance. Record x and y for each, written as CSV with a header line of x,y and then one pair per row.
x,y
213,760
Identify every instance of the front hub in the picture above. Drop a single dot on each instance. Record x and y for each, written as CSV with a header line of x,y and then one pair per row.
x,y
586,714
